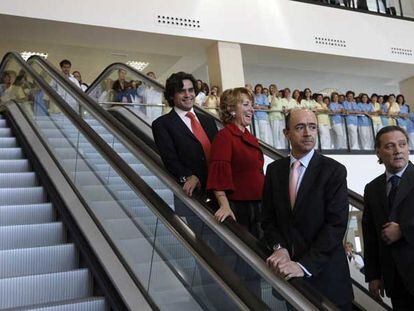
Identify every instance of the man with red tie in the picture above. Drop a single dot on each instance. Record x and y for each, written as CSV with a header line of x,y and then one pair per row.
x,y
183,136
305,213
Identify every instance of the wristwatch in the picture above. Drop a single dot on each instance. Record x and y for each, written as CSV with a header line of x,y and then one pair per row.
x,y
277,246
182,180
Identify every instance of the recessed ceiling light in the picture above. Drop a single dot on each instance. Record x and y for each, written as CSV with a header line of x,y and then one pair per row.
x,y
137,65
25,55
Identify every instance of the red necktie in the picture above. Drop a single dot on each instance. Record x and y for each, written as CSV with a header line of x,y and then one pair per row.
x,y
201,135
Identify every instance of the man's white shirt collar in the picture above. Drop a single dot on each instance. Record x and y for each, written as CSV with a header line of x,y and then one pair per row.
x,y
304,160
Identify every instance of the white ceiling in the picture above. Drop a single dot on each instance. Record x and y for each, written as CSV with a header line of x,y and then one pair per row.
x,y
92,48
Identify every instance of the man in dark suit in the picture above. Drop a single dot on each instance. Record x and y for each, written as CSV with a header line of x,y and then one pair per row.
x,y
388,222
183,137
305,213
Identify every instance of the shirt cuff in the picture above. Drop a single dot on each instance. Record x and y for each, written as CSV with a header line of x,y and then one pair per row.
x,y
308,274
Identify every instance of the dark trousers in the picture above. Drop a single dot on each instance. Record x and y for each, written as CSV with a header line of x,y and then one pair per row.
x,y
401,298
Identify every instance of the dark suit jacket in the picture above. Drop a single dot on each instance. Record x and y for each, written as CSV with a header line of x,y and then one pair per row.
x,y
314,230
179,149
382,261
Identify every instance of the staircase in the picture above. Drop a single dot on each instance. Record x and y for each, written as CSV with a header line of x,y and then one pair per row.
x,y
39,269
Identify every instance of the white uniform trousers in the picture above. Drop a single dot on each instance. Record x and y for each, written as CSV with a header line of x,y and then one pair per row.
x,y
353,136
338,136
366,137
263,131
325,137
279,140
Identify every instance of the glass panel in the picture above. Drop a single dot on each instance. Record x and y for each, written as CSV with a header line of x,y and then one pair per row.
x,y
189,269
127,88
354,249
159,260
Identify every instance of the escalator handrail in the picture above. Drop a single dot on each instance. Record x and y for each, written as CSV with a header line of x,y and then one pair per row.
x,y
14,56
208,260
126,67
355,199
125,135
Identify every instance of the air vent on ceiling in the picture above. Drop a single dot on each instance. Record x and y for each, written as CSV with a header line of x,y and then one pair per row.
x,y
401,51
178,21
333,42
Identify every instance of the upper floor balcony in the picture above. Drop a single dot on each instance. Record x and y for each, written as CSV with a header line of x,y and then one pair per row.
x,y
391,8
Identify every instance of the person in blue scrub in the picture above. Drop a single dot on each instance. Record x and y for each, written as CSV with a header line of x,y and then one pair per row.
x,y
337,122
261,122
352,111
365,124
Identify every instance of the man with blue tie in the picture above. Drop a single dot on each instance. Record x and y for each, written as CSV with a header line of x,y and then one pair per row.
x,y
305,213
388,221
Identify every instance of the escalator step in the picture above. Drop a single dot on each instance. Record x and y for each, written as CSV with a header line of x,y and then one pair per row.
x,y
8,142
45,288
5,132
17,180
24,236
10,166
11,153
38,260
88,304
16,196
3,123
26,214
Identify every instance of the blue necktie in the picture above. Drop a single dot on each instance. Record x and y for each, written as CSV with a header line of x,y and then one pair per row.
x,y
395,180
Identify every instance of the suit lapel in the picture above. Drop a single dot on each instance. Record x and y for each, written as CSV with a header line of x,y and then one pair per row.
x,y
282,175
181,125
406,184
308,180
382,195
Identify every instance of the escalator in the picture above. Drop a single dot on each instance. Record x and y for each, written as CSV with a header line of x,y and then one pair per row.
x,y
156,263
141,115
234,255
138,118
35,253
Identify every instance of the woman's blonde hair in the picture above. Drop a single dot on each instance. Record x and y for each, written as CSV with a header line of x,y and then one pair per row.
x,y
228,101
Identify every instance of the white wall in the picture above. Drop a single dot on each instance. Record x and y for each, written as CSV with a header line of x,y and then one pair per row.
x,y
361,169
274,23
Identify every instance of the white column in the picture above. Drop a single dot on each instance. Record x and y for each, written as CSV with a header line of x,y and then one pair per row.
x,y
225,65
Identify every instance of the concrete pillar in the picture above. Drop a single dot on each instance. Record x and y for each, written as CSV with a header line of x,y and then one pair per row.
x,y
407,89
225,65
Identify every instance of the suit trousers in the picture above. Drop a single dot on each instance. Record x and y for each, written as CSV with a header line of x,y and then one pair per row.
x,y
401,299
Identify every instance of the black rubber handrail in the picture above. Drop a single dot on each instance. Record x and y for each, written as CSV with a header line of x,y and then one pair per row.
x,y
178,228
14,56
125,131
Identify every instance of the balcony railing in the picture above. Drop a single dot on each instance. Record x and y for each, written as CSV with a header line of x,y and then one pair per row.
x,y
391,8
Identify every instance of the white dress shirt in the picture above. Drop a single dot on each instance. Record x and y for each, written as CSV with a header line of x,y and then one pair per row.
x,y
182,114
